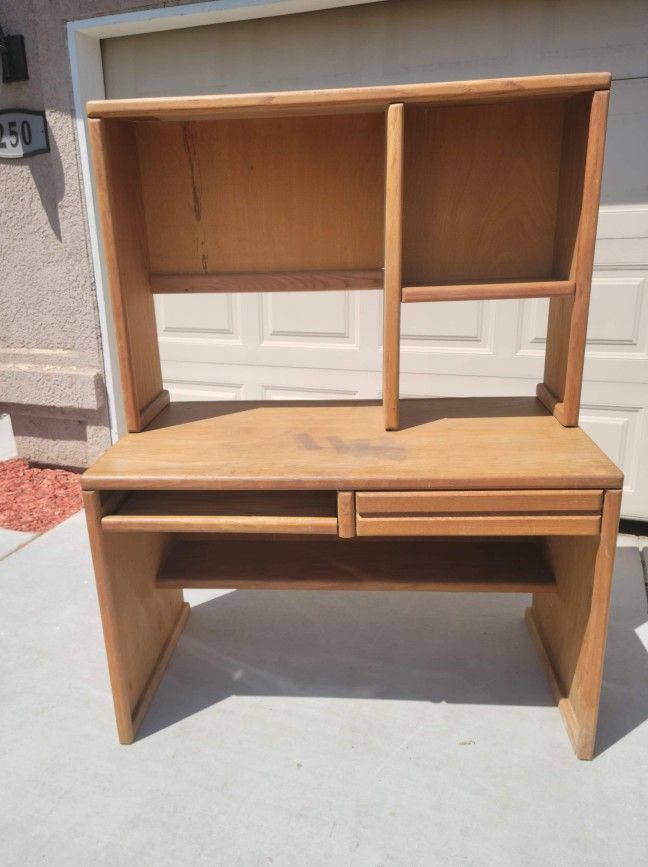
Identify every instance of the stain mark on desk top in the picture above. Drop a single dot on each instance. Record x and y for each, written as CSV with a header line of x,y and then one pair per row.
x,y
360,448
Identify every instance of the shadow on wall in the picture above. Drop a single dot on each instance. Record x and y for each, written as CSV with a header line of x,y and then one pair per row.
x,y
49,180
51,436
436,647
47,172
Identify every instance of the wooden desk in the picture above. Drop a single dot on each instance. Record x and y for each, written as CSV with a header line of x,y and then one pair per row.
x,y
469,495
427,191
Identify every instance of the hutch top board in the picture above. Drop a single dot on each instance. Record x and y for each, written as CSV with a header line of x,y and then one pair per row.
x,y
465,190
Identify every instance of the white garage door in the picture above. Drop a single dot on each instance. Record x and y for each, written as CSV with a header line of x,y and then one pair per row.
x,y
321,345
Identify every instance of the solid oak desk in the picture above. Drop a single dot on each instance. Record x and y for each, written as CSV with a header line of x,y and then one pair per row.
x,y
486,494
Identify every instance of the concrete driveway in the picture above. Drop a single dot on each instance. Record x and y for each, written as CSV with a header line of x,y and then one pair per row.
x,y
312,729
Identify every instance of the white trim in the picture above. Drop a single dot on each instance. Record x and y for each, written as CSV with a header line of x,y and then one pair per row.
x,y
84,48
88,83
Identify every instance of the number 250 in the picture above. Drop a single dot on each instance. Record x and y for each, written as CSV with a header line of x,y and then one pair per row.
x,y
13,135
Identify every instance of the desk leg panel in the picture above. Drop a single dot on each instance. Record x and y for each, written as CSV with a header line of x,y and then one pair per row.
x,y
141,622
569,627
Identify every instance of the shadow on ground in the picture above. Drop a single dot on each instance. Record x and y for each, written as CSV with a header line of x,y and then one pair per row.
x,y
437,647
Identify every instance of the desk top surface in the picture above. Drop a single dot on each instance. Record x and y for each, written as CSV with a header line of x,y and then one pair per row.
x,y
443,444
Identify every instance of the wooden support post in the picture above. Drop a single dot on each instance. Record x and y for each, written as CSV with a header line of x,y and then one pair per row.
x,y
141,623
346,514
567,329
569,627
393,266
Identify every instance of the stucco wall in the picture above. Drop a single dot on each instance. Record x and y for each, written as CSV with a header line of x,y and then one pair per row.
x,y
51,372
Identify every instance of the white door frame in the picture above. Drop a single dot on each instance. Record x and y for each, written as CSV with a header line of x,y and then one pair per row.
x,y
84,48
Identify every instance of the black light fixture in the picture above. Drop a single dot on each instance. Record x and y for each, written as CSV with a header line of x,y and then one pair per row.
x,y
14,58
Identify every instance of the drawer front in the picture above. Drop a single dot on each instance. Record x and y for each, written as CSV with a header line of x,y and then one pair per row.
x,y
478,513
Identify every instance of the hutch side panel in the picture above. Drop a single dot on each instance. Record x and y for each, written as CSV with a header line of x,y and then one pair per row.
x,y
122,217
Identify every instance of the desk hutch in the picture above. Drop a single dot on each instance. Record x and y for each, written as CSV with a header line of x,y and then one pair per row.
x,y
453,191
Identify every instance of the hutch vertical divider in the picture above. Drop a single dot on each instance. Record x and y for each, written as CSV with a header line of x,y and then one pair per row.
x,y
447,191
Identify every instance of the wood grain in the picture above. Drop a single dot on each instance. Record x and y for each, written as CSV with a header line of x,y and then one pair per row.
x,y
461,190
285,512
276,524
110,501
585,243
154,408
141,623
122,219
547,398
483,502
346,514
393,267
351,99
580,185
570,626
273,194
156,675
480,291
443,444
355,564
280,281
573,153
480,525
296,504
480,192
478,513
570,196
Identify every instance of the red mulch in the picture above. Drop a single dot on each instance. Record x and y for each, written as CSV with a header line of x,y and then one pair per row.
x,y
34,499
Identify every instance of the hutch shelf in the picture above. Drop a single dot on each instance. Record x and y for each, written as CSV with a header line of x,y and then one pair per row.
x,y
451,191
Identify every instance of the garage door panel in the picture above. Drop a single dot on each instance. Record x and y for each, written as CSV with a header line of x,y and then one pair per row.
x,y
621,431
618,319
447,325
305,319
215,318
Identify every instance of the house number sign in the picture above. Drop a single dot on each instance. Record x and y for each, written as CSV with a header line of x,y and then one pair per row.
x,y
23,133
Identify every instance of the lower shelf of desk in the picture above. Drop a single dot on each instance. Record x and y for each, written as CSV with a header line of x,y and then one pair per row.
x,y
468,564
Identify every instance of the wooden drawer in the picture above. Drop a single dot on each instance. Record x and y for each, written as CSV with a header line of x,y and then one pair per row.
x,y
478,513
